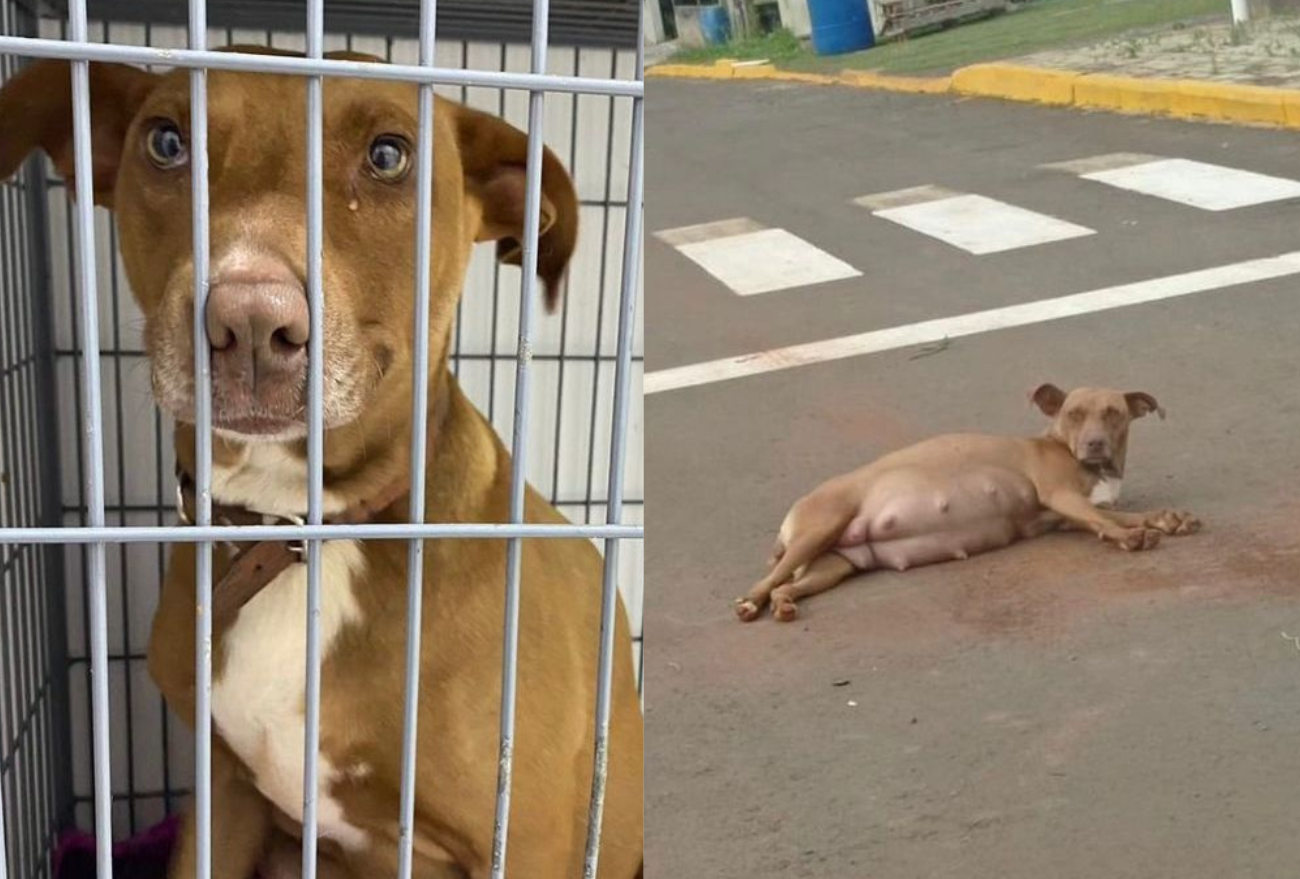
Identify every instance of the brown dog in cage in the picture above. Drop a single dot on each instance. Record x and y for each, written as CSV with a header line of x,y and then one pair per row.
x,y
257,326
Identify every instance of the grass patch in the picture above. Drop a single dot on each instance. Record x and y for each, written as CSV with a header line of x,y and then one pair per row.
x,y
780,45
1037,26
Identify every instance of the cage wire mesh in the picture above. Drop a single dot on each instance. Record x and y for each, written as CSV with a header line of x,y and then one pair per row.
x,y
45,703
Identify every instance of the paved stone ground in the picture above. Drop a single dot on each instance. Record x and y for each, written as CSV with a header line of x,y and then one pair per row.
x,y
1266,52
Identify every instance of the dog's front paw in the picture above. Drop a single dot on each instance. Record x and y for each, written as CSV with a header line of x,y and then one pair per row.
x,y
1175,522
784,610
747,611
1188,524
1136,539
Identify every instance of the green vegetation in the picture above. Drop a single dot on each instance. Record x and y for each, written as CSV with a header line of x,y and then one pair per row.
x,y
1036,26
777,46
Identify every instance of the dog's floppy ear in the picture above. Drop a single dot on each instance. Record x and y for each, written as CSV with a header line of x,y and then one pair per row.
x,y
1141,403
1048,398
36,113
494,155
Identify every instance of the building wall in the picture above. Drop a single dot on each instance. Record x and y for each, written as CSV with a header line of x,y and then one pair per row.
x,y
654,22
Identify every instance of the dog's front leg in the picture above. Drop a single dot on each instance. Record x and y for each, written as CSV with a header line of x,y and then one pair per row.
x,y
1080,512
1172,522
241,825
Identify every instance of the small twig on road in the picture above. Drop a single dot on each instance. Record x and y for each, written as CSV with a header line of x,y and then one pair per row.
x,y
932,348
1294,639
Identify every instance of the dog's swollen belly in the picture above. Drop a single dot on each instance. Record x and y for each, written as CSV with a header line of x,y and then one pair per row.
x,y
911,517
258,702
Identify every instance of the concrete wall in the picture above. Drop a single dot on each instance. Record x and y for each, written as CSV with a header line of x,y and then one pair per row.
x,y
654,22
688,27
794,17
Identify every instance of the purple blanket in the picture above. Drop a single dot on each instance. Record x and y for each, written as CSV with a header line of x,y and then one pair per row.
x,y
143,857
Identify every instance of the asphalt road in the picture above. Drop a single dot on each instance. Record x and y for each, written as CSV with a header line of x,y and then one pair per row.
x,y
1055,709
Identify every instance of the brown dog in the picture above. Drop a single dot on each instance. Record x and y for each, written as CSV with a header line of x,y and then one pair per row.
x,y
257,327
950,497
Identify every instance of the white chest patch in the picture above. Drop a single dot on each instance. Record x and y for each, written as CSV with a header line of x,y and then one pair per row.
x,y
259,701
1106,492
268,480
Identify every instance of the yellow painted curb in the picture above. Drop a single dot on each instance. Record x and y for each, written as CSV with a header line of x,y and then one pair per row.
x,y
729,69
913,84
1015,83
1182,99
689,71
1125,94
1231,102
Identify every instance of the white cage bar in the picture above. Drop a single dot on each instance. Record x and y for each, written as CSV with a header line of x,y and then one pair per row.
x,y
24,513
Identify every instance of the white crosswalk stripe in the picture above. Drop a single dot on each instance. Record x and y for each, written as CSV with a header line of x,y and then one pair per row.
x,y
1196,184
751,259
975,223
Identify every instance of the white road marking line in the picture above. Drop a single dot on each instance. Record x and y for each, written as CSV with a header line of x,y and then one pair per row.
x,y
1199,184
765,261
978,224
1024,314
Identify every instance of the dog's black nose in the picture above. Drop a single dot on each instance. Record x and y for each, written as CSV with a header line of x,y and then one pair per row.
x,y
1096,447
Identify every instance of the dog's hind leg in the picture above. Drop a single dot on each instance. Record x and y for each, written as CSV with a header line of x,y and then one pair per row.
x,y
822,573
810,540
778,550
241,825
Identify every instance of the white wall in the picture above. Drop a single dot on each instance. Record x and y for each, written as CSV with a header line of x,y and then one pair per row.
x,y
794,16
653,18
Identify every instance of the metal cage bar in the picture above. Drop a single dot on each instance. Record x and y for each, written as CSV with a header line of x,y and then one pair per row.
x,y
33,699
419,442
202,448
617,474
92,419
4,857
519,439
253,533
79,50
315,431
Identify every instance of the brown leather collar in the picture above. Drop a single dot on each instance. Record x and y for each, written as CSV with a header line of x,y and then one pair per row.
x,y
257,564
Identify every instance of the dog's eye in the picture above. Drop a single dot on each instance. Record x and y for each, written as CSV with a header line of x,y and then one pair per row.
x,y
166,146
1075,415
390,158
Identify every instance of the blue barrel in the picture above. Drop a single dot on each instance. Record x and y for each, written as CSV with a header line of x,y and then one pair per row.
x,y
840,26
715,27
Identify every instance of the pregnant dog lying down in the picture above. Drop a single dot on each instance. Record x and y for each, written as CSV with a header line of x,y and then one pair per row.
x,y
953,496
